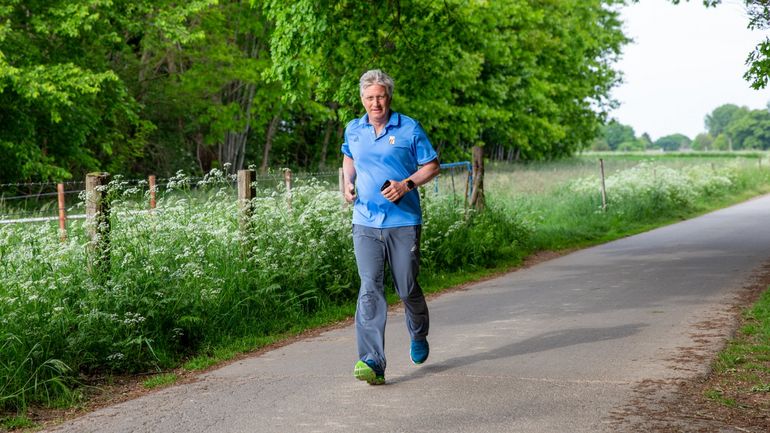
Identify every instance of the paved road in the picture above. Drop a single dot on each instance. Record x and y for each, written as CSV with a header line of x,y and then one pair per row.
x,y
564,346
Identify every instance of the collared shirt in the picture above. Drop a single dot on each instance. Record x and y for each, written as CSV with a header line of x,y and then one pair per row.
x,y
395,154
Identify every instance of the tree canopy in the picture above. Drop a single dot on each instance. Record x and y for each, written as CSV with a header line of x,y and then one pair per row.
x,y
156,86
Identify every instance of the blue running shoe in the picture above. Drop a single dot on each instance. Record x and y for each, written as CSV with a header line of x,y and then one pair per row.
x,y
369,373
419,351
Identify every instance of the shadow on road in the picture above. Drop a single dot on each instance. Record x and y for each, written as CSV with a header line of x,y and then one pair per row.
x,y
540,343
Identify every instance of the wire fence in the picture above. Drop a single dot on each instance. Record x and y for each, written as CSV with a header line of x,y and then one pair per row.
x,y
39,201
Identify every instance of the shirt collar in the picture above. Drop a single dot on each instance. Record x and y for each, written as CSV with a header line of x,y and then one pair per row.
x,y
394,120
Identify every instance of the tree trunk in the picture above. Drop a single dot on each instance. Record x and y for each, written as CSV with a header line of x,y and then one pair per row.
x,y
271,130
325,145
327,136
233,149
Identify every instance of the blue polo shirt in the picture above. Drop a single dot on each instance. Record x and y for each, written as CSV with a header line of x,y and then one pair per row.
x,y
393,155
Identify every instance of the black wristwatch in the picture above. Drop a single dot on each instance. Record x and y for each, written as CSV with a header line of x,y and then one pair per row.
x,y
410,184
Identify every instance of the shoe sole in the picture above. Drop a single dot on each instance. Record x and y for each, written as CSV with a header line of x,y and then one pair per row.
x,y
363,372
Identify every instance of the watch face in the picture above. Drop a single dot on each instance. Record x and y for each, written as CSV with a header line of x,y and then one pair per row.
x,y
410,184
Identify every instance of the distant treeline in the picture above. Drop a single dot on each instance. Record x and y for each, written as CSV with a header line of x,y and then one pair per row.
x,y
138,86
729,127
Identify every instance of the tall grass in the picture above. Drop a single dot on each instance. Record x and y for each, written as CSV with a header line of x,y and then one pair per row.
x,y
562,200
186,279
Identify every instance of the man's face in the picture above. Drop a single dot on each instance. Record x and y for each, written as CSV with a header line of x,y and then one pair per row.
x,y
377,103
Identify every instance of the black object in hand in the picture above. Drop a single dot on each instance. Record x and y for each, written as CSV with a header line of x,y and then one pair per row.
x,y
384,186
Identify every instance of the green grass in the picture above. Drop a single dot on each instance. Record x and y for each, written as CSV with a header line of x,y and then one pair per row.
x,y
159,380
743,366
185,287
16,422
717,396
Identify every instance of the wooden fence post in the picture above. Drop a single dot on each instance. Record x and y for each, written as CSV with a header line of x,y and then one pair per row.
x,y
287,182
151,181
98,219
477,196
604,187
246,192
62,213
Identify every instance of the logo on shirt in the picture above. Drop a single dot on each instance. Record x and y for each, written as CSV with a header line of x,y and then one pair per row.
x,y
392,139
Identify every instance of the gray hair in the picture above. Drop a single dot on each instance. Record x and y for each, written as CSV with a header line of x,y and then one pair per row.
x,y
376,76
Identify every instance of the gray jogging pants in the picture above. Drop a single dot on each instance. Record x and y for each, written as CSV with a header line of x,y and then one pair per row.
x,y
400,248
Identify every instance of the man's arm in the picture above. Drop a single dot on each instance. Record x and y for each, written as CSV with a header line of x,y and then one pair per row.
x,y
423,175
349,179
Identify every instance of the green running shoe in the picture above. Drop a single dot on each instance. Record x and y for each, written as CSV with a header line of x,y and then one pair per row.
x,y
366,372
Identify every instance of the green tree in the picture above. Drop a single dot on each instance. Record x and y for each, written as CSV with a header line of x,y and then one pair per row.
x,y
210,91
719,119
599,144
616,133
751,131
647,141
673,142
703,141
721,142
524,73
631,146
63,110
156,86
718,123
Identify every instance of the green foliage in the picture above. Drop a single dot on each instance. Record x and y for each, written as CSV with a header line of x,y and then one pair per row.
x,y
703,141
16,422
63,109
751,131
673,142
746,359
616,133
160,380
718,396
565,205
137,87
482,237
185,280
631,146
186,284
718,120
737,128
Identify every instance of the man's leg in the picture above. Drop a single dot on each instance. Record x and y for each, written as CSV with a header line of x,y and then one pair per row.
x,y
403,249
372,308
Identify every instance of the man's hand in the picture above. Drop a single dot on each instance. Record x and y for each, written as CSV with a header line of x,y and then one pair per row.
x,y
350,193
395,191
349,179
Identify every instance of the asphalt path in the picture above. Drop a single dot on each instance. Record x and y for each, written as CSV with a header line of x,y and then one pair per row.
x,y
567,345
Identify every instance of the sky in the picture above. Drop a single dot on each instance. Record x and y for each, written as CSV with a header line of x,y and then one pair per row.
x,y
685,61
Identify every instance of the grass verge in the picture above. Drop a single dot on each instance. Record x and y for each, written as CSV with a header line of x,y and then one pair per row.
x,y
160,380
740,379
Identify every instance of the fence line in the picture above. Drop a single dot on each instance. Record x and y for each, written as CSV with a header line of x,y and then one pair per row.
x,y
154,185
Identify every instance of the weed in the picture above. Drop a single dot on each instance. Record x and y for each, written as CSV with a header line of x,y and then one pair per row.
x,y
160,380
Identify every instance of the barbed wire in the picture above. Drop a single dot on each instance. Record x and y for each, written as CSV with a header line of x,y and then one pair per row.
x,y
161,186
263,176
